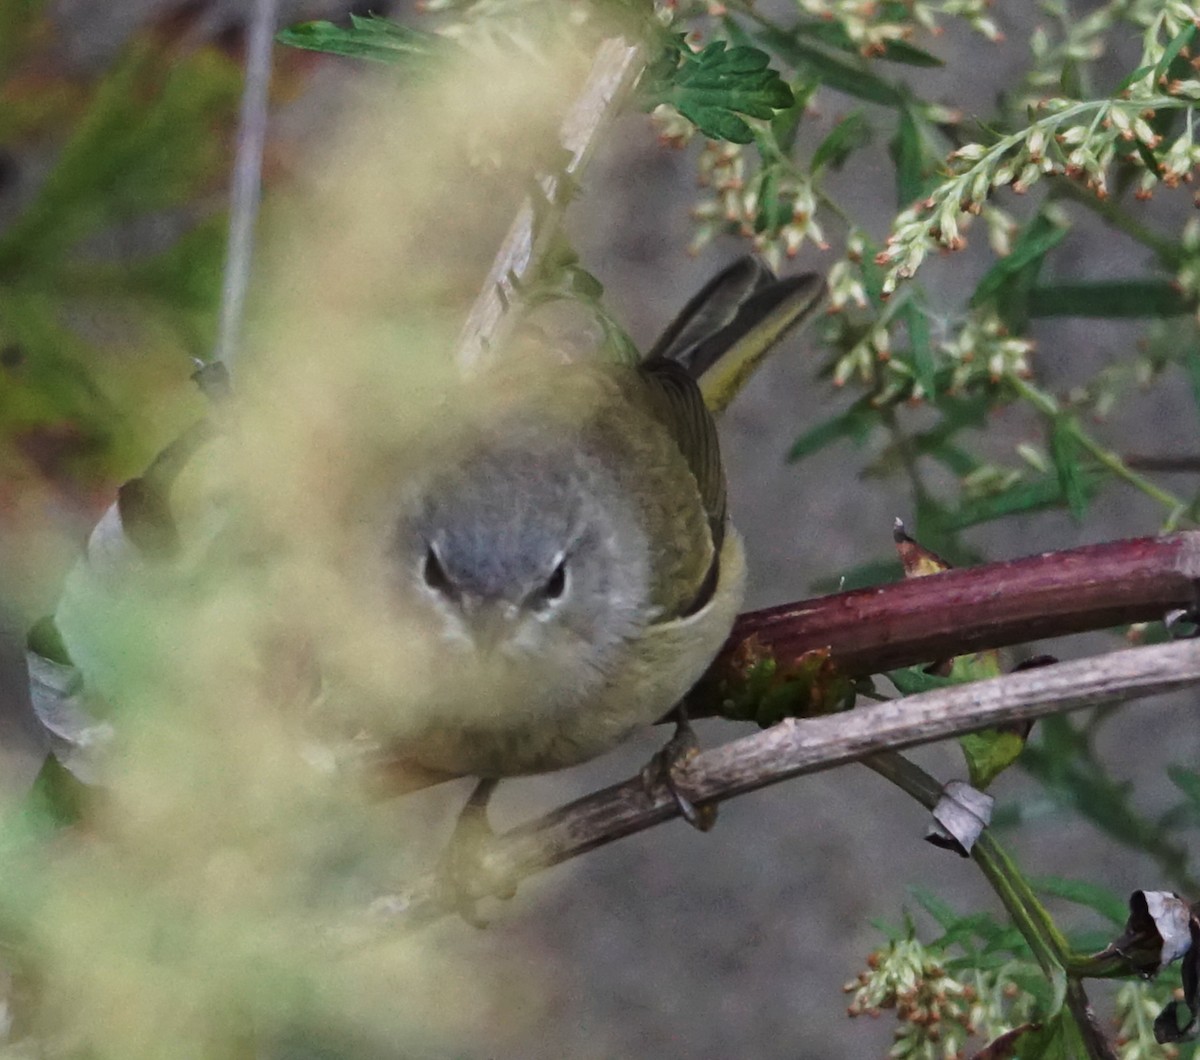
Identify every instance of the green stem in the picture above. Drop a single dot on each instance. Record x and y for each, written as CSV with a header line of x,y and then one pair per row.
x,y
1049,407
1032,919
1028,914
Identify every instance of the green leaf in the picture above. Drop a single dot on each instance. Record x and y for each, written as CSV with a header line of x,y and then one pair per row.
x,y
834,69
1134,75
856,424
714,87
900,51
1065,453
45,640
56,798
373,38
19,21
831,32
1180,41
936,907
1109,299
1037,239
148,140
913,679
1058,1038
846,137
1187,781
906,151
920,347
989,753
1083,892
1023,497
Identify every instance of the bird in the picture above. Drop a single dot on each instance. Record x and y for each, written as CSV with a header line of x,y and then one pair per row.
x,y
568,548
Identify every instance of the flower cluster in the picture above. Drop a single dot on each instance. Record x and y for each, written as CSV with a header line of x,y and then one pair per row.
x,y
773,204
1135,1009
870,25
1080,140
936,1012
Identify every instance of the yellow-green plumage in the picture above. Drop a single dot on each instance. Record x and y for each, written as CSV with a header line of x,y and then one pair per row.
x,y
572,551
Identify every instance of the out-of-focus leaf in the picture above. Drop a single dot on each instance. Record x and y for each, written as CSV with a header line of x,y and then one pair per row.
x,y
920,347
374,38
1065,453
1084,892
1031,496
855,423
829,31
145,143
835,69
1180,41
1187,781
846,137
906,150
19,21
1020,266
1109,299
56,799
1058,1038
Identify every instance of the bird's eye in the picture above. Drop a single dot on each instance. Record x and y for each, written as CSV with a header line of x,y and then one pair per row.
x,y
556,584
435,575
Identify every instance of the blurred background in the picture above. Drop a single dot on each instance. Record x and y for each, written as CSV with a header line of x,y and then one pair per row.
x,y
669,943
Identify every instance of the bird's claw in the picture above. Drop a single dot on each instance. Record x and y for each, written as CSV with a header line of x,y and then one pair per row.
x,y
461,875
663,768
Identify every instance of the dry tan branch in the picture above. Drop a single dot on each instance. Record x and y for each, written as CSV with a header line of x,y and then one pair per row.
x,y
615,70
794,747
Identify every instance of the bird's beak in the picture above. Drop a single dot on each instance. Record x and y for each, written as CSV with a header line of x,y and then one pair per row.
x,y
491,623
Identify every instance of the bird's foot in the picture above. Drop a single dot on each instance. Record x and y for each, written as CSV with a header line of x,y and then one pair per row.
x,y
462,876
664,768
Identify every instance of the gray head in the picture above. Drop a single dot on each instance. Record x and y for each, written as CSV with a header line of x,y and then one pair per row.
x,y
524,552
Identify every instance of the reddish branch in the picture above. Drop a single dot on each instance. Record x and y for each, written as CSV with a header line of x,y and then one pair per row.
x,y
936,617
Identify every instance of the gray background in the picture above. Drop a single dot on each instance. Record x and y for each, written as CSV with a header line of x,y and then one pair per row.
x,y
736,943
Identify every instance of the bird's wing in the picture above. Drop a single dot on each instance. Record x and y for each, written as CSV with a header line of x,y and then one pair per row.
x,y
675,400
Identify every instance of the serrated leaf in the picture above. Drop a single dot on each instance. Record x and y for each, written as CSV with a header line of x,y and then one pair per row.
x,y
377,39
846,137
1109,299
1065,454
711,89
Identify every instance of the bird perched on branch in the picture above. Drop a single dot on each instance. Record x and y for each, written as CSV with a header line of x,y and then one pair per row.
x,y
571,549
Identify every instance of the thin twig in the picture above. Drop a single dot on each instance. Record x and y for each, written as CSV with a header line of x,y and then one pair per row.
x,y
246,187
615,70
793,748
